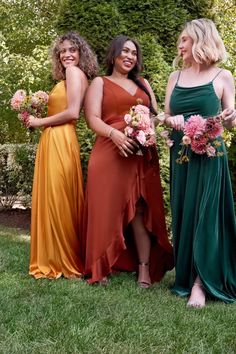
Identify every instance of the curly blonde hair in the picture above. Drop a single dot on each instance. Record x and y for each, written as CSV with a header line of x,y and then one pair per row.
x,y
208,46
87,59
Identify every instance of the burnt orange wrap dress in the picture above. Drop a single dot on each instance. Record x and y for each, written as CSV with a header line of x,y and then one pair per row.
x,y
57,198
114,185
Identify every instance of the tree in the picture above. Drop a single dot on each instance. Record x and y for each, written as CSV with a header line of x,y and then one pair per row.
x,y
26,29
225,15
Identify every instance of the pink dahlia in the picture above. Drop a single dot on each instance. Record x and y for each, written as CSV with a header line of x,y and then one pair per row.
x,y
23,116
195,126
214,127
199,145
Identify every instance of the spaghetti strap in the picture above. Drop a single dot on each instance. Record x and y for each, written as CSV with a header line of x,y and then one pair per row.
x,y
178,77
216,75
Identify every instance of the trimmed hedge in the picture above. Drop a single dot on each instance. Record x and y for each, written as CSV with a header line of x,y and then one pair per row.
x,y
100,21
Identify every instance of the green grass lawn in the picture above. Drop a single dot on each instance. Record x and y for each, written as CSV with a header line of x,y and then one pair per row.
x,y
69,316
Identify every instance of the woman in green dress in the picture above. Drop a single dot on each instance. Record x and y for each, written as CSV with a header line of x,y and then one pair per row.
x,y
204,226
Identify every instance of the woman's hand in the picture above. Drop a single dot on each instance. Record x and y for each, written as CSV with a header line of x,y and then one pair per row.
x,y
176,122
33,122
229,116
125,145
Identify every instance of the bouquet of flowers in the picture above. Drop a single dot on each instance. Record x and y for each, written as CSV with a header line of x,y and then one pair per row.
x,y
164,132
34,104
200,135
139,126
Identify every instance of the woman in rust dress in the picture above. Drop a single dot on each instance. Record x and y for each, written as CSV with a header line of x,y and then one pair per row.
x,y
124,224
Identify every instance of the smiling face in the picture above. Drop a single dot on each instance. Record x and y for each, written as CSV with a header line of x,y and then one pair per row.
x,y
69,54
185,47
127,59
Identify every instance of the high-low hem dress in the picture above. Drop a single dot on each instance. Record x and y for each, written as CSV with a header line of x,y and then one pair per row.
x,y
204,226
57,198
114,186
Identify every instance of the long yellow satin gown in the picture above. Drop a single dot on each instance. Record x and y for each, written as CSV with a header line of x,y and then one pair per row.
x,y
57,198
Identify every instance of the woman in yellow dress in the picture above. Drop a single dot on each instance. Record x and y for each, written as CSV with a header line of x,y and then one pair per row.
x,y
57,199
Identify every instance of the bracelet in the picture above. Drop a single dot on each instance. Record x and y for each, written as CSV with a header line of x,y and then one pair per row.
x,y
111,131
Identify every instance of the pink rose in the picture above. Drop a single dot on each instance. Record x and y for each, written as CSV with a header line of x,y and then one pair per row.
x,y
211,151
128,131
143,121
141,109
18,99
127,118
164,134
186,140
169,142
141,137
151,141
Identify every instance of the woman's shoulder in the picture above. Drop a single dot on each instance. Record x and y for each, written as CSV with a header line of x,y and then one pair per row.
x,y
225,74
174,75
173,79
98,81
145,82
96,84
223,78
75,70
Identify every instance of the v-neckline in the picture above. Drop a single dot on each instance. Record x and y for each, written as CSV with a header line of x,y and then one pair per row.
x,y
122,88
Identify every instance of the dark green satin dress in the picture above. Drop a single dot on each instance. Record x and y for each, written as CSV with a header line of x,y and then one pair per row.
x,y
204,224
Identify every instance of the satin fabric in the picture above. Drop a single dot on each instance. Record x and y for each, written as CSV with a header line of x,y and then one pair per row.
x,y
204,226
114,186
57,199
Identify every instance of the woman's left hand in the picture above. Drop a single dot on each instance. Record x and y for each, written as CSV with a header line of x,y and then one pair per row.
x,y
125,145
33,122
228,115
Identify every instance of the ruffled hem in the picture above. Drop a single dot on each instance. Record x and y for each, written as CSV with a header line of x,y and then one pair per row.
x,y
120,256
103,265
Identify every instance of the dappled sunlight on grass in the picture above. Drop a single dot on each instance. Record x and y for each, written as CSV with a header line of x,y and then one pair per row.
x,y
15,234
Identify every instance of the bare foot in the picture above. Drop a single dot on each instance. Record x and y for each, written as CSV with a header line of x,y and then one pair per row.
x,y
197,298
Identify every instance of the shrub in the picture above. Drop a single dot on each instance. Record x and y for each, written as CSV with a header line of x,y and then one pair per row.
x,y
86,139
232,164
156,69
17,165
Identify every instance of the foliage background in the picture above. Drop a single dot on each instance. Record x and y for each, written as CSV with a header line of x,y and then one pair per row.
x,y
27,29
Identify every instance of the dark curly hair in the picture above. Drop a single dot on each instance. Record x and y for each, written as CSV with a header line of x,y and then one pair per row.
x,y
115,50
87,59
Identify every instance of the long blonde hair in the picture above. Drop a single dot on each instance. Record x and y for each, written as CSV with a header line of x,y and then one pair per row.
x,y
208,46
87,59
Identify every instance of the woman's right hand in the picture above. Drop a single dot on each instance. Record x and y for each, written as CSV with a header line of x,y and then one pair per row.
x,y
176,122
125,144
